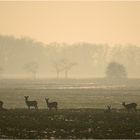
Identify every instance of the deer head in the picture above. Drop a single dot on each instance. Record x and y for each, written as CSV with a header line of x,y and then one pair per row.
x,y
123,103
26,97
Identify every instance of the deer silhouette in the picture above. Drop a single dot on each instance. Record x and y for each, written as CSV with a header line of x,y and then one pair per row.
x,y
1,104
51,105
130,107
108,110
30,103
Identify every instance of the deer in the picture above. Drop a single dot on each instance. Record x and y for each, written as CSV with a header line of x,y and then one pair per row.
x,y
130,107
108,110
1,104
51,105
30,103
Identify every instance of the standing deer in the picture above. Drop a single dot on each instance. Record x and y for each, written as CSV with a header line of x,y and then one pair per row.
x,y
129,107
30,103
51,105
1,104
108,110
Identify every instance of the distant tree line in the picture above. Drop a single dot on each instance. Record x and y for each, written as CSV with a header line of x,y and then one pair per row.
x,y
24,56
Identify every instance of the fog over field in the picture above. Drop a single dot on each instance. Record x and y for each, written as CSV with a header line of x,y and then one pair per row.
x,y
83,36
69,50
69,69
82,61
20,57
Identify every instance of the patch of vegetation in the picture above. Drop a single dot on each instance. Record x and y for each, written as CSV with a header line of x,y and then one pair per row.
x,y
69,123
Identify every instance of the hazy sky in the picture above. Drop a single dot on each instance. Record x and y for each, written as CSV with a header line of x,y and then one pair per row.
x,y
97,22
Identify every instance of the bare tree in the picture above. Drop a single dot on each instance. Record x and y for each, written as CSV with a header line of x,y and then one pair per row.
x,y
58,68
32,67
67,66
1,72
63,65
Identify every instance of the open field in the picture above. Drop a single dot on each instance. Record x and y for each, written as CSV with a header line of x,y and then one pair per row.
x,y
69,94
81,105
69,123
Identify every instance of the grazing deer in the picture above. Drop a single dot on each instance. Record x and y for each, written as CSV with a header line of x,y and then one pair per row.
x,y
108,110
30,103
131,106
51,104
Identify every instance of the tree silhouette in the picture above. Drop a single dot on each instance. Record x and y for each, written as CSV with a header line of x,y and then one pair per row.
x,y
67,66
58,68
32,67
115,71
1,71
63,65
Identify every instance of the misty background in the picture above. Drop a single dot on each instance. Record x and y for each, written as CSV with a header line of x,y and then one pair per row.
x,y
83,44
68,39
21,57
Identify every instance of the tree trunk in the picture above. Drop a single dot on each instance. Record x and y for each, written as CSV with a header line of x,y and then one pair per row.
x,y
34,75
66,74
57,74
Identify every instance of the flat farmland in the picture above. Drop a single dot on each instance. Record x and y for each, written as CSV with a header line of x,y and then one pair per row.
x,y
68,94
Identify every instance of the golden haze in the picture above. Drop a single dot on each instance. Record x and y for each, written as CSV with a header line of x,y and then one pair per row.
x,y
96,22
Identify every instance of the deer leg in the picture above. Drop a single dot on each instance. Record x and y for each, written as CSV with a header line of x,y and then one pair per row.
x,y
36,107
1,106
